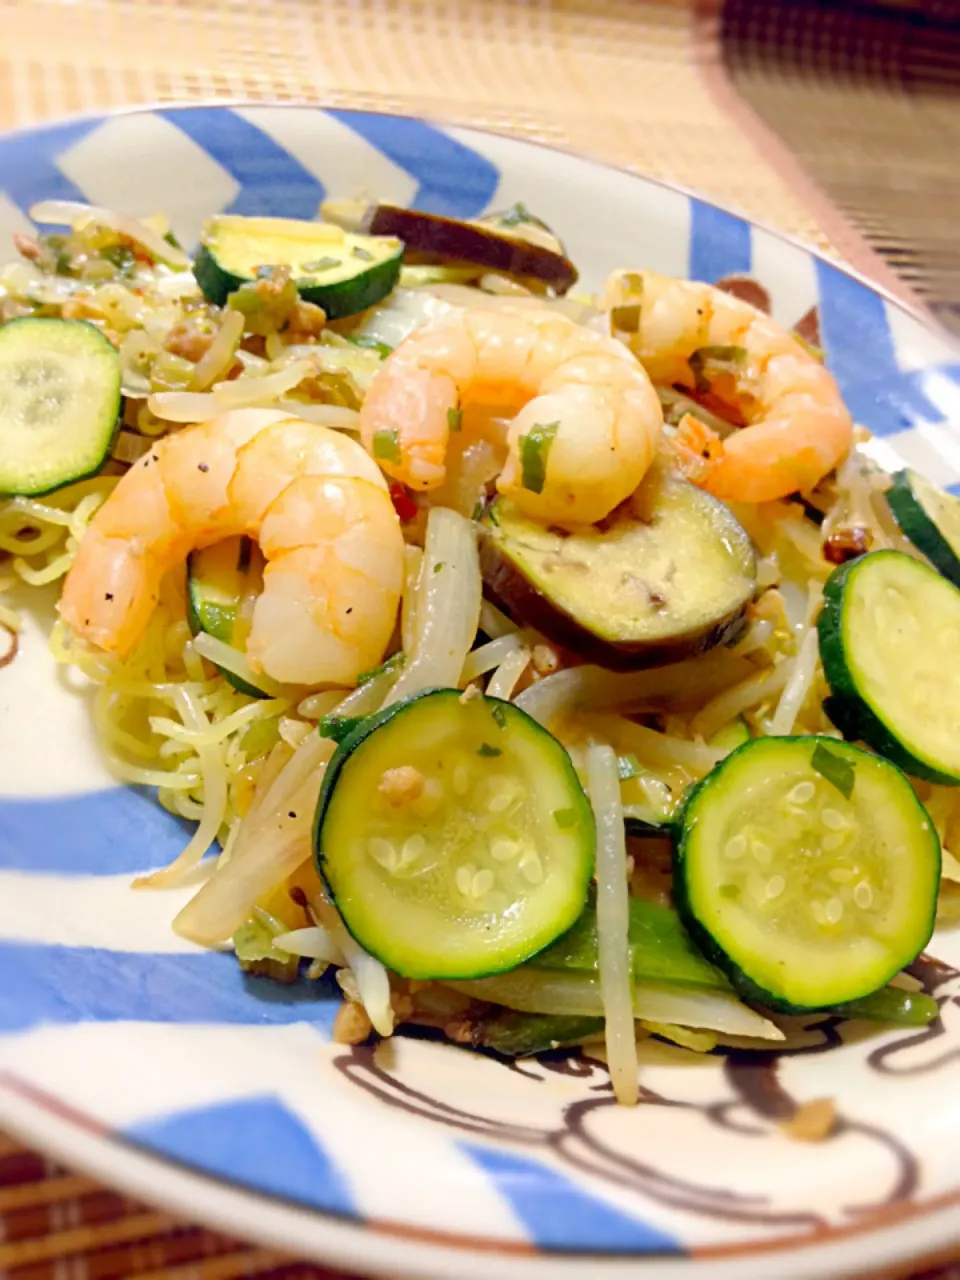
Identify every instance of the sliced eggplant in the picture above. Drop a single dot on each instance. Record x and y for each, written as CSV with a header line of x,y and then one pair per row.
x,y
667,576
491,247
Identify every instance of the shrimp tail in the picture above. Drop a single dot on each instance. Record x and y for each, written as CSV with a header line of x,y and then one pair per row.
x,y
694,450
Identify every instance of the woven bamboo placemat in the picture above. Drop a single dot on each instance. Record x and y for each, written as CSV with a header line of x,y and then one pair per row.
x,y
684,90
867,96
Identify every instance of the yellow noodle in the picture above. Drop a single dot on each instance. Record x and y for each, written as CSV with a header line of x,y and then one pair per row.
x,y
216,732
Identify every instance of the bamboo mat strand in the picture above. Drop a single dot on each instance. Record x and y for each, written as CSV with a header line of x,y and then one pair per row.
x,y
868,98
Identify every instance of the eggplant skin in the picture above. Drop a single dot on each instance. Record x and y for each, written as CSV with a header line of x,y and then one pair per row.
x,y
467,242
512,586
507,587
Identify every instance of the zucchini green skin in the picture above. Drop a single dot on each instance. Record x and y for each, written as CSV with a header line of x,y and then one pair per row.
x,y
847,709
215,620
872,1004
663,951
920,528
338,299
75,440
661,948
519,1035
894,1006
731,736
416,967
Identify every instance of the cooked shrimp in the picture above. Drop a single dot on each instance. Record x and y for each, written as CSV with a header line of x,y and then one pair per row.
x,y
587,421
319,508
690,335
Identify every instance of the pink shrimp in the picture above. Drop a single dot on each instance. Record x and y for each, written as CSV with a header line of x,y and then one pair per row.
x,y
587,421
690,335
319,508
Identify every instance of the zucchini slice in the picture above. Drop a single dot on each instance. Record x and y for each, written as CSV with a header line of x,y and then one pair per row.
x,y
731,736
807,870
667,576
339,271
931,520
454,836
218,578
889,641
59,403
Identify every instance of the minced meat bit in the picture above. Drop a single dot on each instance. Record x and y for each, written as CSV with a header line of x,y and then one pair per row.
x,y
847,544
187,341
813,1122
402,785
352,1024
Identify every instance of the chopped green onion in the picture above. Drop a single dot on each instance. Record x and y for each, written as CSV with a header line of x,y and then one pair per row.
x,y
564,818
628,766
534,451
386,445
361,340
477,513
626,318
336,728
834,768
438,566
363,254
485,749
120,256
392,663
517,214
454,419
810,348
321,264
499,714
728,358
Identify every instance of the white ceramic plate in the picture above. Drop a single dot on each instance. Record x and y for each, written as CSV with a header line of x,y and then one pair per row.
x,y
162,1069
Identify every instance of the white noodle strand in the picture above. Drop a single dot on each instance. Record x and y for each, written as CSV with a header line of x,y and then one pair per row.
x,y
613,920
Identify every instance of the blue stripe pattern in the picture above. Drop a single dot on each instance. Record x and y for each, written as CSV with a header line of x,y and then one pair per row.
x,y
862,357
255,1141
453,179
271,180
559,1214
720,243
28,164
56,984
100,833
